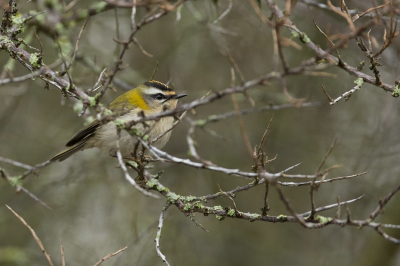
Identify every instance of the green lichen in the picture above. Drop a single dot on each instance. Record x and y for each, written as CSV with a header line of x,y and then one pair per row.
x,y
107,112
35,60
218,208
99,6
304,38
92,101
134,164
198,205
323,219
187,207
201,122
120,123
61,30
71,24
219,217
172,197
295,34
281,218
15,181
41,18
145,137
82,14
231,212
18,20
212,118
88,120
254,216
78,107
63,42
188,198
135,131
152,182
359,82
396,91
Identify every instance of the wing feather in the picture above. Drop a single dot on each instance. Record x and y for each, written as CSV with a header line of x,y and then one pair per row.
x,y
69,151
83,133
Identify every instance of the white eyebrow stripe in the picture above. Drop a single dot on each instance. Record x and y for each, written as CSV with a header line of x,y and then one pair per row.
x,y
153,91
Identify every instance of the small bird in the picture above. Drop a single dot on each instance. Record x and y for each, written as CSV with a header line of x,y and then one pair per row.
x,y
150,98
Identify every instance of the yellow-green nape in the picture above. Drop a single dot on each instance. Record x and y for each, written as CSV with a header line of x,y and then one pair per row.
x,y
130,99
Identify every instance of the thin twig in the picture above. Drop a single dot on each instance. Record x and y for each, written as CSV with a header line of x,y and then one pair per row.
x,y
128,177
245,137
171,128
313,186
34,236
109,256
158,236
383,202
62,254
328,207
15,163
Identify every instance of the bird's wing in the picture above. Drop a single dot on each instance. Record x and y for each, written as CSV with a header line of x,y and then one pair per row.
x,y
119,106
69,151
83,133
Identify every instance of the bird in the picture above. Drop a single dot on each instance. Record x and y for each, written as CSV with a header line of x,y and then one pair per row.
x,y
149,98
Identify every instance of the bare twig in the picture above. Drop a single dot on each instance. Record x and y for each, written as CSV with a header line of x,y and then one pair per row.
x,y
128,177
383,202
313,186
109,256
62,254
34,236
158,236
15,163
242,126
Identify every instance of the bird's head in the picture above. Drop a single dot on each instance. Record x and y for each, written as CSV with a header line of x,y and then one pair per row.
x,y
152,97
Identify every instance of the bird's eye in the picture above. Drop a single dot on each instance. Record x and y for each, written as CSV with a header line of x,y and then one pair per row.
x,y
159,96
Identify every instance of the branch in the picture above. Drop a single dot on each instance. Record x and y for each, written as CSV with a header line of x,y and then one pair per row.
x,y
109,256
158,236
34,236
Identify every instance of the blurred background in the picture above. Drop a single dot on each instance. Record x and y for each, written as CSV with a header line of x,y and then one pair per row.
x,y
96,212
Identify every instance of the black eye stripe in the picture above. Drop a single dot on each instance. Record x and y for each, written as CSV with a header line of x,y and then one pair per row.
x,y
159,96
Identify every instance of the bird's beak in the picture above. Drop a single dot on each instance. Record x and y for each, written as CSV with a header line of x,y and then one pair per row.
x,y
178,96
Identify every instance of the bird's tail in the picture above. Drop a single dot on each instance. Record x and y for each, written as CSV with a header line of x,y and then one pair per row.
x,y
69,151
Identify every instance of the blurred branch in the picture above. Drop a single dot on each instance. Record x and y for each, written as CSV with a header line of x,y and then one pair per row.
x,y
16,181
37,239
109,256
271,107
